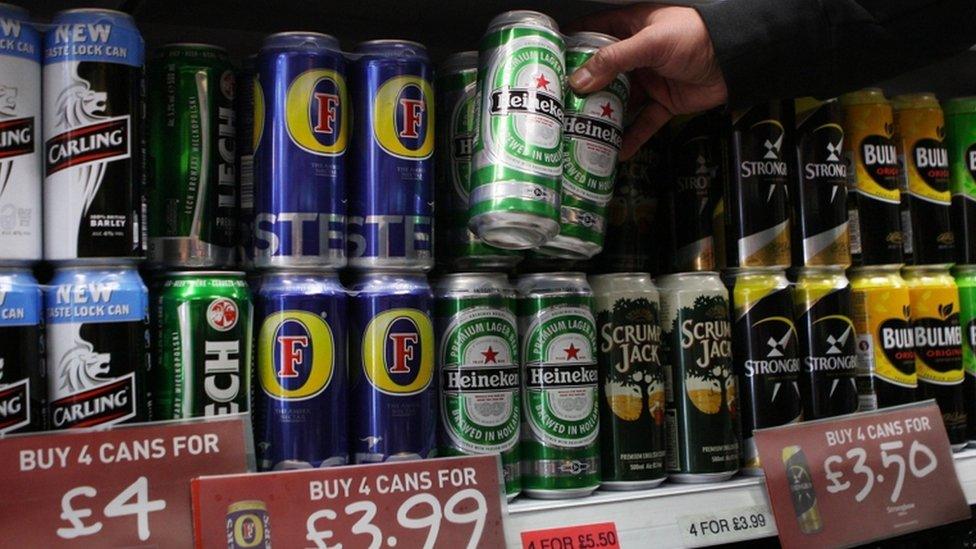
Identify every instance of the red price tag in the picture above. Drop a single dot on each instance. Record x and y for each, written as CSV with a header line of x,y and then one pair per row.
x,y
122,487
601,535
451,502
882,467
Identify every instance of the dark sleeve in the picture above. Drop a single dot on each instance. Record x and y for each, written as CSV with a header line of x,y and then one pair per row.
x,y
771,49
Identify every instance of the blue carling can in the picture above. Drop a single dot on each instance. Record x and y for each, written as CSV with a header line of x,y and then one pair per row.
x,y
301,121
391,204
23,394
393,398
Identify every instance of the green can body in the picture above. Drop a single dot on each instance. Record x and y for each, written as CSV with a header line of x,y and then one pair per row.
x,y
960,140
965,276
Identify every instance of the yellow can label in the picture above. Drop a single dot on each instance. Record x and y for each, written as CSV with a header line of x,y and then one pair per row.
x,y
870,148
938,339
884,333
924,158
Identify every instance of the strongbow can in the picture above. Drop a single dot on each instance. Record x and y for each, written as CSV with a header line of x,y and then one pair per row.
x,y
518,150
246,143
960,140
966,281
802,491
248,525
23,392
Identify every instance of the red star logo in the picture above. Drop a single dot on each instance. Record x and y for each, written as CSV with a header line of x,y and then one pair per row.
x,y
541,82
490,355
572,352
607,110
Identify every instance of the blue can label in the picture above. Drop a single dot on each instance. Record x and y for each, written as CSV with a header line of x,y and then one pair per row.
x,y
401,117
19,305
21,390
20,38
95,39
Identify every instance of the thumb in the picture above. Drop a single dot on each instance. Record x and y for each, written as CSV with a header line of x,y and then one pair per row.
x,y
609,61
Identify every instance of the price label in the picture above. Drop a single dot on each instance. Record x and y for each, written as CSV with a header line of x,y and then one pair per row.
x,y
453,502
601,535
727,526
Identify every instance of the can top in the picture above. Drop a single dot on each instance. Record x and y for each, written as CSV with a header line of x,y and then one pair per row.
x,y
478,283
388,47
305,271
195,45
965,270
247,505
13,11
97,266
908,101
389,282
460,61
302,40
552,283
76,14
523,18
866,96
926,269
586,39
804,104
960,105
866,270
205,273
621,282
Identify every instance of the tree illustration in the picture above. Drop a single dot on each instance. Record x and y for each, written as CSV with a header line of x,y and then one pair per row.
x,y
642,382
703,383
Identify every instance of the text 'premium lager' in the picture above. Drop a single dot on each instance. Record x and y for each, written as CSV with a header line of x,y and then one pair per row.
x,y
966,281
960,140
23,392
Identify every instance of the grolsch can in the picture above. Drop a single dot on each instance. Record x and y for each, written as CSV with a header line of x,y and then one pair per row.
x,y
23,388
802,490
938,344
203,345
93,107
828,369
478,370
960,140
248,525
819,198
300,407
97,339
560,386
302,133
766,354
927,236
518,149
246,143
873,175
965,276
632,381
192,136
701,400
20,120
393,390
391,223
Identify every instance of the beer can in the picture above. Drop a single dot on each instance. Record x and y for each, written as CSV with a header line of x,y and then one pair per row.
x,y
20,163
97,338
192,181
300,409
23,387
246,143
960,140
478,369
204,324
701,398
632,380
766,355
393,391
302,127
802,490
819,201
93,171
518,154
927,236
248,525
965,276
873,201
828,369
391,205
938,344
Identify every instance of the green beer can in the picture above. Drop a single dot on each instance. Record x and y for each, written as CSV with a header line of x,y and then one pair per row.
x,y
960,140
192,181
966,281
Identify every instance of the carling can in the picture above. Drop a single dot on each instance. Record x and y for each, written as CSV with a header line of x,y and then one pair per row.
x,y
960,140
202,345
701,399
23,388
301,126
927,236
873,201
391,204
192,136
828,369
393,390
93,171
632,381
248,525
246,143
819,199
300,411
965,276
766,355
518,149
20,163
938,344
97,339
478,370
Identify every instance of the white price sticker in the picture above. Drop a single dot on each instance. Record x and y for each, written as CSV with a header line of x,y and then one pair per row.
x,y
727,526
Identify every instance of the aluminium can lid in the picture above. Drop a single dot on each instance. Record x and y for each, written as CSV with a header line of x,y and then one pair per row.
x,y
909,101
301,39
960,105
527,18
866,96
460,61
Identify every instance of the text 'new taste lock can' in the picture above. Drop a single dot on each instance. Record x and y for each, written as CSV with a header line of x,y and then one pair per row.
x,y
23,391
966,281
960,140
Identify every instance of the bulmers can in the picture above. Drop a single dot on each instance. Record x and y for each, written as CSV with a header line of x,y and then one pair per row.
x,y
23,391
960,140
248,525
965,276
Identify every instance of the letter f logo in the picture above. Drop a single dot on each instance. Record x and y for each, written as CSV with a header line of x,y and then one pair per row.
x,y
327,103
403,346
413,112
292,354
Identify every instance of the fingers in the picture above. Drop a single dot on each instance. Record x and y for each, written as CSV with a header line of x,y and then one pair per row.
x,y
651,119
611,60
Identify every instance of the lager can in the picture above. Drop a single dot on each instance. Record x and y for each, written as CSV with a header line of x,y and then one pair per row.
x,y
23,387
393,391
960,140
828,339
965,276
518,149
701,399
93,170
203,345
766,354
938,344
248,525
632,380
192,181
802,490
478,365
97,339
20,163
391,205
927,236
873,201
246,143
301,127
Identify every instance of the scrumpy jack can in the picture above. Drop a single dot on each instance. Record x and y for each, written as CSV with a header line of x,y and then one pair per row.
x,y
960,140
23,392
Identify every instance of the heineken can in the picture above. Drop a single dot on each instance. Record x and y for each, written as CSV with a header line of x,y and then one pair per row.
x,y
560,386
965,276
701,400
518,149
632,381
960,140
246,142
478,370
203,345
23,387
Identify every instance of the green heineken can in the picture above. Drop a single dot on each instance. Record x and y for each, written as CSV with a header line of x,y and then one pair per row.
x,y
480,401
966,281
960,140
202,345
560,386
192,182
518,155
